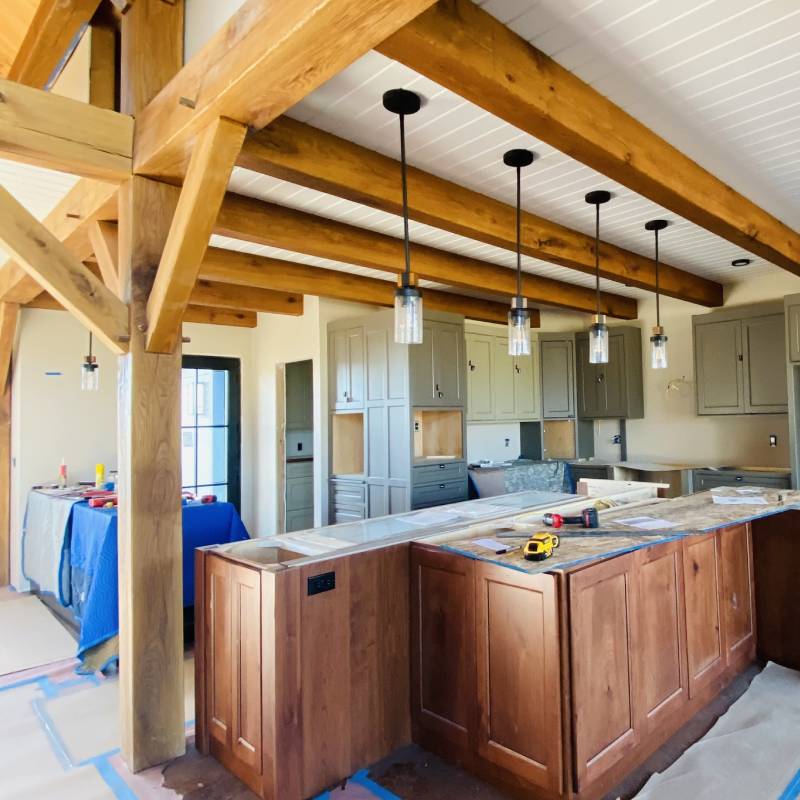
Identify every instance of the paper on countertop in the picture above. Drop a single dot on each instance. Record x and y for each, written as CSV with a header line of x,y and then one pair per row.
x,y
749,500
495,546
647,523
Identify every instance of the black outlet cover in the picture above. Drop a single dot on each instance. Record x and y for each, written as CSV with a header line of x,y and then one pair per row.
x,y
324,582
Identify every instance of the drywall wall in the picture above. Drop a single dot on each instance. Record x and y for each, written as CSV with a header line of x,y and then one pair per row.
x,y
671,430
202,19
51,418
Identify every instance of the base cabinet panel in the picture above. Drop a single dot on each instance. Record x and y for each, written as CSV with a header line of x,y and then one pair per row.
x,y
705,644
602,612
518,672
737,589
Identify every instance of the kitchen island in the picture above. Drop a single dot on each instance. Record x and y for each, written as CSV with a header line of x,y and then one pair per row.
x,y
550,679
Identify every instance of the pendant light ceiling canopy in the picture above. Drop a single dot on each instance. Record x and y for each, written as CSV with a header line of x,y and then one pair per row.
x,y
658,341
519,316
598,333
407,296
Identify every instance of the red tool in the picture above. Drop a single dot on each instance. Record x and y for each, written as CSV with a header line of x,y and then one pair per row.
x,y
106,501
587,519
208,498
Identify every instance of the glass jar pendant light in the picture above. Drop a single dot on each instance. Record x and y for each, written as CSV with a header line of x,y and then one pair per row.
x,y
90,371
519,316
407,296
658,341
598,333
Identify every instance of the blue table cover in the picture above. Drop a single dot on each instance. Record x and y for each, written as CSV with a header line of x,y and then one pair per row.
x,y
93,560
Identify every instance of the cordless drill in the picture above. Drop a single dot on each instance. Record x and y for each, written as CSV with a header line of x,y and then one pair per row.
x,y
587,519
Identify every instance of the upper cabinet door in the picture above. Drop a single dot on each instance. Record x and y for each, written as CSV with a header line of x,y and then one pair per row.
x,y
718,367
557,379
356,358
765,365
591,395
339,369
526,398
793,331
480,401
612,387
421,367
503,381
447,364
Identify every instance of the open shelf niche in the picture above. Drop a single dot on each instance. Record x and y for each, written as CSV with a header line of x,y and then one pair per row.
x,y
438,434
347,444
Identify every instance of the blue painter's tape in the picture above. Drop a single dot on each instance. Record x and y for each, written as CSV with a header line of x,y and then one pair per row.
x,y
362,780
323,796
56,742
792,791
113,779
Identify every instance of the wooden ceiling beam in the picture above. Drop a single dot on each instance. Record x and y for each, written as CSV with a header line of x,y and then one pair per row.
x,y
277,226
267,57
69,222
260,272
9,313
55,132
296,152
247,298
57,270
104,237
198,205
466,50
220,316
55,28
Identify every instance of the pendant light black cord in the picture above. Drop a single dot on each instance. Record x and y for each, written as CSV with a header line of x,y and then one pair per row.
x,y
90,344
406,244
658,293
519,234
597,254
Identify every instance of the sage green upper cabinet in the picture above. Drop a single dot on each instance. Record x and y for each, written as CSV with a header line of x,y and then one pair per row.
x,y
346,365
613,390
740,361
480,402
557,362
299,396
503,381
793,327
765,351
526,398
437,365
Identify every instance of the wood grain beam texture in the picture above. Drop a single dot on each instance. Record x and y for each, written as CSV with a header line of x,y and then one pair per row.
x,y
57,270
9,313
55,26
465,49
70,221
268,56
59,133
104,239
198,205
246,270
277,226
299,153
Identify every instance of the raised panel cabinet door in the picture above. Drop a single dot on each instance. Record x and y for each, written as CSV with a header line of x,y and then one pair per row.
x,y
793,331
356,360
603,632
518,673
557,379
661,677
377,362
447,363
705,643
421,367
219,659
480,400
738,604
766,390
526,400
503,381
443,646
246,641
339,369
299,396
718,367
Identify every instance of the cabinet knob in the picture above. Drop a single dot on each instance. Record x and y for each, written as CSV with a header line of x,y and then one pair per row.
x,y
516,367
471,366
739,477
441,466
441,394
601,378
441,486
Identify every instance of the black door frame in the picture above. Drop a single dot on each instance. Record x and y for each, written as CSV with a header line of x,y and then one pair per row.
x,y
233,366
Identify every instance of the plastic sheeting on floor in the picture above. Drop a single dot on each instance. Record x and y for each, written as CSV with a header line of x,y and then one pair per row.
x,y
753,751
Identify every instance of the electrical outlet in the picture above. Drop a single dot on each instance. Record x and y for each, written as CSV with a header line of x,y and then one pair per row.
x,y
508,442
773,440
325,582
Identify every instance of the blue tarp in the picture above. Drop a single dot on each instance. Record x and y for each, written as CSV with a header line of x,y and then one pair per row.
x,y
93,560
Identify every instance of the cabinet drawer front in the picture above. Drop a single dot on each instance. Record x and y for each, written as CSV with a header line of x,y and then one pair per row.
x,y
341,514
299,493
299,469
348,493
707,479
437,473
437,494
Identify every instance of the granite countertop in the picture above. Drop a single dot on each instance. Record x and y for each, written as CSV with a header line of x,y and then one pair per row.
x,y
683,516
657,466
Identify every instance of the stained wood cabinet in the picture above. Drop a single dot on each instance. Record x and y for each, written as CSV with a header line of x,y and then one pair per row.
x,y
740,361
738,603
604,671
233,661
